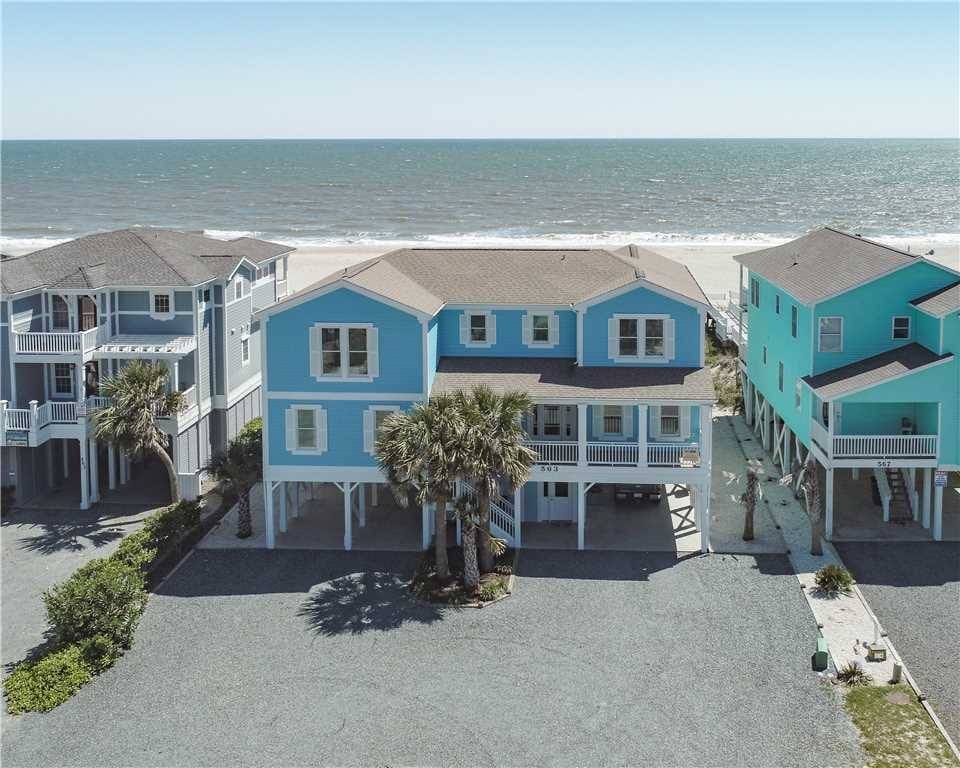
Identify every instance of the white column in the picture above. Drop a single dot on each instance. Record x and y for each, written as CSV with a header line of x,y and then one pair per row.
x,y
927,482
938,513
787,464
518,517
347,516
94,460
81,392
582,434
283,506
643,424
174,368
362,505
581,516
425,525
828,508
84,477
112,466
268,512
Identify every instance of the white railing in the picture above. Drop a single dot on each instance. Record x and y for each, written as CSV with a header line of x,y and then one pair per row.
x,y
263,292
54,412
613,454
281,289
502,513
884,446
668,454
190,397
554,451
38,343
17,418
95,403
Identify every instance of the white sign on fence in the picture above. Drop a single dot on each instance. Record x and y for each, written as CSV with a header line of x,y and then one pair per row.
x,y
940,479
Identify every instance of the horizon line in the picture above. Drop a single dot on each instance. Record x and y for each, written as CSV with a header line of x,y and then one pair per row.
x,y
499,138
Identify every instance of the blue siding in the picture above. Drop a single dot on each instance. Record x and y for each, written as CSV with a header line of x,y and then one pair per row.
x,y
136,324
642,301
344,434
509,335
433,333
133,301
183,301
400,344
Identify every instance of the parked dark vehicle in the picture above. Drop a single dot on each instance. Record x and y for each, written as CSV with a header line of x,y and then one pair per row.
x,y
637,492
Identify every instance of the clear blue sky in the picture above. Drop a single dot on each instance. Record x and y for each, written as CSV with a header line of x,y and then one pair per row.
x,y
225,70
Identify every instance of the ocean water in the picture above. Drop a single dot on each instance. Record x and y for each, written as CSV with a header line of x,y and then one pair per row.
x,y
337,192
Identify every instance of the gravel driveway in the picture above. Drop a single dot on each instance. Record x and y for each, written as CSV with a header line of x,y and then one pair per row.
x,y
914,588
308,657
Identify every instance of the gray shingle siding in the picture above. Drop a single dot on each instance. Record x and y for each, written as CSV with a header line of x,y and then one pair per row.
x,y
241,412
29,384
205,351
218,349
193,447
138,324
238,316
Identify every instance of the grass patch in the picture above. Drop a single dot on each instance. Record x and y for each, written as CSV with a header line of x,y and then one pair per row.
x,y
427,586
895,730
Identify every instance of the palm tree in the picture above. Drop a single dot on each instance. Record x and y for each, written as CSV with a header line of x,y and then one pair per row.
x,y
421,453
811,493
240,467
749,500
137,394
494,451
468,513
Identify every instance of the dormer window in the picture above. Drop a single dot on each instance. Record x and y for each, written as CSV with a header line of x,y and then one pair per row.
x,y
344,352
641,338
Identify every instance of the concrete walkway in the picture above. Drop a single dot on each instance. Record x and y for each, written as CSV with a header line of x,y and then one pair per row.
x,y
845,620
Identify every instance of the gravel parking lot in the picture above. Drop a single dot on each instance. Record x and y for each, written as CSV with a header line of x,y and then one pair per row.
x,y
914,588
309,657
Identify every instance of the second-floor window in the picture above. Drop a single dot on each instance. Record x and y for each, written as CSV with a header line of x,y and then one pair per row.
x,y
344,351
776,303
641,337
63,378
541,329
901,328
755,292
373,419
794,320
306,428
161,304
612,419
245,348
61,313
797,394
478,329
670,420
831,334
238,288
780,376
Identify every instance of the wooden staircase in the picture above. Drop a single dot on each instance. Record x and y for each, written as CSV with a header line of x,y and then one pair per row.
x,y
899,504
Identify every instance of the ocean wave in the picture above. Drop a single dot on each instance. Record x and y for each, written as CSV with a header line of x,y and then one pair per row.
x,y
17,246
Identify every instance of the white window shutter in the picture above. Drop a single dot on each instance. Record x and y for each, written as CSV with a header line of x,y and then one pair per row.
x,y
655,420
373,352
684,422
316,352
368,422
554,329
321,430
612,338
464,328
290,416
670,338
491,329
597,420
626,419
527,329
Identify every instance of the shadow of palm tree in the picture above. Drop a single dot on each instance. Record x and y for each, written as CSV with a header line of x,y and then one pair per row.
x,y
364,601
71,537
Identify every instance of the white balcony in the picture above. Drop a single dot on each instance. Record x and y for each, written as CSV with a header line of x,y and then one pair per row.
x,y
875,448
610,454
58,343
41,422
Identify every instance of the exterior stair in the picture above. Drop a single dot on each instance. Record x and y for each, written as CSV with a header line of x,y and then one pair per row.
x,y
899,504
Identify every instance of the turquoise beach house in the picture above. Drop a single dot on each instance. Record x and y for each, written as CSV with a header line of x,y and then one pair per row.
x,y
852,358
609,345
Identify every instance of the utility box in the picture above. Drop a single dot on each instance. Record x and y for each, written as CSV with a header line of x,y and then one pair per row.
x,y
820,657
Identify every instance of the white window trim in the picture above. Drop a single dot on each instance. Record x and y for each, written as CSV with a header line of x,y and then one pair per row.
x,y
370,424
553,329
624,415
684,425
490,324
245,337
893,328
820,334
320,415
641,355
345,354
169,315
54,395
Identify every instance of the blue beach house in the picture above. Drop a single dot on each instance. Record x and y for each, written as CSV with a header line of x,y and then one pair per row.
x,y
852,359
608,344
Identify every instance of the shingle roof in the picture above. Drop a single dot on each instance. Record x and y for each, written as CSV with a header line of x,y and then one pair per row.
x,y
824,263
427,278
872,371
940,302
136,256
553,377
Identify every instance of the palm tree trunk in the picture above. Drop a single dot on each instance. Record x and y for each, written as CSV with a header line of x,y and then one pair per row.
x,y
816,545
748,525
244,523
171,474
471,573
483,542
440,538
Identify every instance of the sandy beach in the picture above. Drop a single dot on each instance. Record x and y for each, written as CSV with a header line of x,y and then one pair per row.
x,y
712,265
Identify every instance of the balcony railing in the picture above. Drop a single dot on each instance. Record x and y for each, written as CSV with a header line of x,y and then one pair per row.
x,y
885,446
673,454
59,342
606,454
613,454
554,451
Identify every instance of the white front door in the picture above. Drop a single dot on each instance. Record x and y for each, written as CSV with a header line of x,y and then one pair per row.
x,y
556,503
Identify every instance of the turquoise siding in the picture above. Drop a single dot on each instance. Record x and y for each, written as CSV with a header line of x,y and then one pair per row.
x,y
642,301
926,331
433,333
400,344
344,434
509,335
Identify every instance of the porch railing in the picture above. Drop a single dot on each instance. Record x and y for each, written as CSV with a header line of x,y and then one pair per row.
x,y
17,419
670,454
554,451
613,454
885,446
59,342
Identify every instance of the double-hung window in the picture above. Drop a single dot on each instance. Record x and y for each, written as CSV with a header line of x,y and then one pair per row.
x,y
831,334
161,305
541,329
61,314
238,287
343,351
629,337
670,420
63,378
612,420
641,337
245,347
755,292
551,421
478,328
901,328
373,419
306,429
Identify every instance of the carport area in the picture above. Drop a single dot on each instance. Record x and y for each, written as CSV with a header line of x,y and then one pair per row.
x,y
621,521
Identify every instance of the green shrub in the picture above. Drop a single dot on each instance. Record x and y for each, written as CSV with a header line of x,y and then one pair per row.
x,y
99,652
490,591
253,430
104,597
833,579
39,686
136,550
853,675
